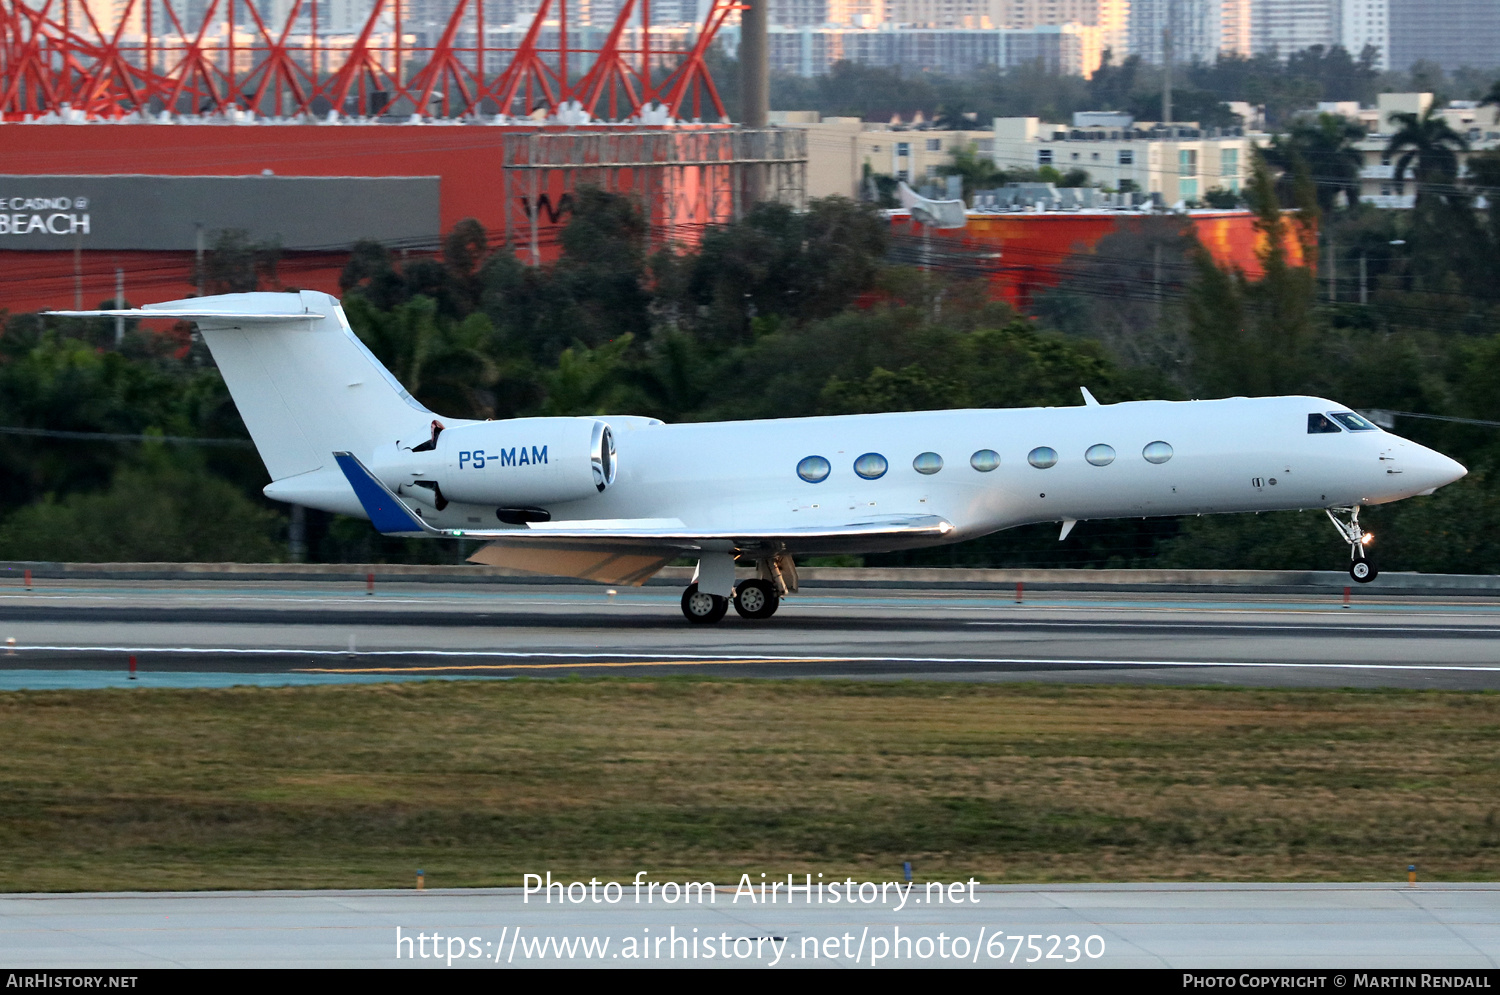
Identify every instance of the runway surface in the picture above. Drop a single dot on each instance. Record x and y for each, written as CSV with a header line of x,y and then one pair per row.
x,y
222,633
1240,927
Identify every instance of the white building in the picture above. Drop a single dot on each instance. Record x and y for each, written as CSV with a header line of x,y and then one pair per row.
x,y
1378,184
1366,22
1180,162
1287,26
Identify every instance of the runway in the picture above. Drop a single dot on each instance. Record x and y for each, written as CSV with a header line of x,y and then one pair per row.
x,y
1239,927
82,634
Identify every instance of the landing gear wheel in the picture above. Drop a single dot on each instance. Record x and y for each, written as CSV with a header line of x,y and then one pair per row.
x,y
702,607
1363,571
755,599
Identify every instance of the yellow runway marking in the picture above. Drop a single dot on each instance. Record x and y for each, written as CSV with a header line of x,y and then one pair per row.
x,y
564,666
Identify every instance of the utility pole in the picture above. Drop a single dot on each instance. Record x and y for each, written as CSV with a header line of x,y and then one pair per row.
x,y
77,270
1364,289
198,268
755,88
297,535
1166,59
1333,271
1156,278
119,306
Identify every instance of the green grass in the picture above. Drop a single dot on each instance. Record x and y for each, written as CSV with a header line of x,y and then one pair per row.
x,y
475,783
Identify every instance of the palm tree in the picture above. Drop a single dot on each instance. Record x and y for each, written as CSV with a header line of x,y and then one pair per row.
x,y
979,172
1433,145
1492,99
1328,147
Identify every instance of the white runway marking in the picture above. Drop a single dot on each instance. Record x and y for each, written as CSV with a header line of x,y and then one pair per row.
x,y
667,659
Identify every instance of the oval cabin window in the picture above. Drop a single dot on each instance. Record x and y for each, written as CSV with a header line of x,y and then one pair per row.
x,y
814,469
871,466
1042,457
928,463
1157,452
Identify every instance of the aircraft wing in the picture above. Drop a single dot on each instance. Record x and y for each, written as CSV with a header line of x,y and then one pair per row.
x,y
393,516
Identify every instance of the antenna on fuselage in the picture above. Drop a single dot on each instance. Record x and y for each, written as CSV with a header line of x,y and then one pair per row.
x,y
1089,399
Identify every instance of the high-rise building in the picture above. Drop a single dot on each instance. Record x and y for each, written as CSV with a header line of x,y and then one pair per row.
x,y
1111,17
1235,27
1366,23
1195,28
943,13
1452,33
1286,26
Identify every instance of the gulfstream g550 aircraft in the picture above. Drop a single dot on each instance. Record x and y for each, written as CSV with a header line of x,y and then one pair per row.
x,y
614,498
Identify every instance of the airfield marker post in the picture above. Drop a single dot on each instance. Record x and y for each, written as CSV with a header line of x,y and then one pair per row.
x,y
369,583
1411,876
1020,586
1346,597
132,666
421,880
28,578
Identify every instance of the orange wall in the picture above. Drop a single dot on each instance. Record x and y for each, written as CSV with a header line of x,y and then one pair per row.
x,y
1033,248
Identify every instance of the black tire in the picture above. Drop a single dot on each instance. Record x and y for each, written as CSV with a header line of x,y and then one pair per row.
x,y
696,610
755,599
1363,571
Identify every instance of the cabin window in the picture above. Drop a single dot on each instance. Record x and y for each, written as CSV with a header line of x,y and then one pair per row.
x,y
1320,425
928,463
1157,452
871,466
1351,421
1100,455
985,460
1042,457
814,469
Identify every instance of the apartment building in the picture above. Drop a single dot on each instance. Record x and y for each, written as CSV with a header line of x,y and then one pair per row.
x,y
1180,162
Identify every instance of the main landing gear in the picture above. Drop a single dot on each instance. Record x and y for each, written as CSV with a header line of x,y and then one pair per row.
x,y
1361,568
755,598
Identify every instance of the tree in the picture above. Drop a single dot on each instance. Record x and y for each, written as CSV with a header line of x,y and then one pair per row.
x,y
1430,143
443,363
1327,145
1256,337
979,172
1492,99
236,265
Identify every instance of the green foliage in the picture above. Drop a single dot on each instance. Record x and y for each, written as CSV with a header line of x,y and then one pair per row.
x,y
234,264
1327,146
154,510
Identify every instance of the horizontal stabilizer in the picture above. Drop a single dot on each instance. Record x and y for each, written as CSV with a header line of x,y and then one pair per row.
x,y
174,314
255,307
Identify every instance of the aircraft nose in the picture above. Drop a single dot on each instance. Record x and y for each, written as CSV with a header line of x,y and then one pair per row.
x,y
1434,470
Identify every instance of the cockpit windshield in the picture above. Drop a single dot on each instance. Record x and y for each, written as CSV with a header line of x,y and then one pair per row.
x,y
1320,425
1351,421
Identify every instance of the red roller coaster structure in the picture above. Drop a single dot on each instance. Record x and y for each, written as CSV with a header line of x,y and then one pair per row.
x,y
149,58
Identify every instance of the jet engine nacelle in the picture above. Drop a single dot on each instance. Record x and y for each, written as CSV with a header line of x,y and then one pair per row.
x,y
517,462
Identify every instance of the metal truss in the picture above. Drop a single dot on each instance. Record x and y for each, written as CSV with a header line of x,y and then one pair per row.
x,y
57,57
683,179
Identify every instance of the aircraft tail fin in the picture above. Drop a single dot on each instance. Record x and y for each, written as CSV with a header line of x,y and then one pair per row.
x,y
304,383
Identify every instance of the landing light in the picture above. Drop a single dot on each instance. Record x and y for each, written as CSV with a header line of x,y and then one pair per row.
x,y
1369,537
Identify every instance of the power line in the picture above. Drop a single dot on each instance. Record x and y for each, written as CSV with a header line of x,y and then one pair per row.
x,y
189,440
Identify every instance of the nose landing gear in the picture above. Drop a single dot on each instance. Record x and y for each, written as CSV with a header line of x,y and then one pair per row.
x,y
1360,566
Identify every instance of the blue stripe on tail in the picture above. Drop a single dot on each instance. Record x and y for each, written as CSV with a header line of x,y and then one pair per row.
x,y
386,513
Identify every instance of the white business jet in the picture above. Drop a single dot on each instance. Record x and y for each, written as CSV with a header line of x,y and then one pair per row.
x,y
613,498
